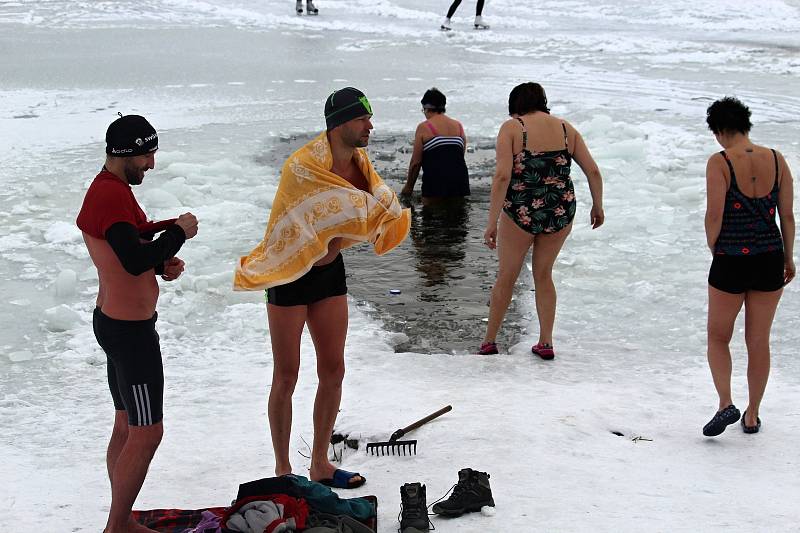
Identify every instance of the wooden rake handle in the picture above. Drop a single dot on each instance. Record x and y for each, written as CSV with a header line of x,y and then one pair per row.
x,y
400,432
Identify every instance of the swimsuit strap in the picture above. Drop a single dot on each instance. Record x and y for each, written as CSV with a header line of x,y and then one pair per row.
x,y
775,156
430,126
524,135
730,167
566,141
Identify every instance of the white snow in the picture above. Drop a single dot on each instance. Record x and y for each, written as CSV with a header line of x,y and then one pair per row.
x,y
225,81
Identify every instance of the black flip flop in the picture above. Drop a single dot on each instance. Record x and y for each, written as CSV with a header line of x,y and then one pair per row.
x,y
751,429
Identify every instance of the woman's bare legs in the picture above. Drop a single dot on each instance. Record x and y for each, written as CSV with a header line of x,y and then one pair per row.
x,y
759,311
546,247
512,247
286,328
723,308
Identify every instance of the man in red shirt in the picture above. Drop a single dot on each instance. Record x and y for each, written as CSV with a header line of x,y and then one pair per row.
x,y
122,246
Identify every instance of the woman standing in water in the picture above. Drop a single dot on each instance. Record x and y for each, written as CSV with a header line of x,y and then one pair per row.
x,y
533,189
439,146
746,184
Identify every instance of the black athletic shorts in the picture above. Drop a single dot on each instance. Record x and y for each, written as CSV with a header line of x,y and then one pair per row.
x,y
135,370
741,273
317,284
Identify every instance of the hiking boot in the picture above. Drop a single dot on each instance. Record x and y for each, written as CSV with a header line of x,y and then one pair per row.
x,y
299,7
446,26
414,510
310,9
470,494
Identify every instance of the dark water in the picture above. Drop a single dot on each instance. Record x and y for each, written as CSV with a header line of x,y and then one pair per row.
x,y
443,271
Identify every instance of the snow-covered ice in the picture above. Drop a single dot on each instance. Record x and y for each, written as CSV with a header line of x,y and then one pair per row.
x,y
226,82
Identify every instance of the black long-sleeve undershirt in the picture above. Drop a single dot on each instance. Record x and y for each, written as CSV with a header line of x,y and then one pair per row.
x,y
138,257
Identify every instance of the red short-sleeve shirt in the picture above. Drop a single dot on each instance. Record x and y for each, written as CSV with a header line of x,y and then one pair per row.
x,y
109,200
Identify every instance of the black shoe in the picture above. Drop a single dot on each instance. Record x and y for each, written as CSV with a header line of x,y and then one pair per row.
x,y
470,494
721,420
414,511
750,429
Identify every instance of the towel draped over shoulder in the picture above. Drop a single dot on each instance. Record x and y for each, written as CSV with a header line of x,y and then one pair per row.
x,y
313,206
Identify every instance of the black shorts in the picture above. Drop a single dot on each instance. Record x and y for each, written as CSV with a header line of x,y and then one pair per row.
x,y
135,370
317,284
741,273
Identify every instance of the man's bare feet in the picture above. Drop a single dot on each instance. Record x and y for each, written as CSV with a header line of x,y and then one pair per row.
x,y
283,470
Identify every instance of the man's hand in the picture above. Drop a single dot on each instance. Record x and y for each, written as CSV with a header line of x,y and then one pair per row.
x,y
173,268
188,223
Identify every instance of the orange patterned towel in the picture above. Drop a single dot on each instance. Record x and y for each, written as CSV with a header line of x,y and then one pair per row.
x,y
312,206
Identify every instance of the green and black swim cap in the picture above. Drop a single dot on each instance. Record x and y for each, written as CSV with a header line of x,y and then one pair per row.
x,y
131,135
345,104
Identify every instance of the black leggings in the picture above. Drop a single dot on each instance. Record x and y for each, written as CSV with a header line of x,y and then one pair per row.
x,y
456,3
134,366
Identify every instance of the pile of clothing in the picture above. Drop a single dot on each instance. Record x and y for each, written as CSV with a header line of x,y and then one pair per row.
x,y
273,505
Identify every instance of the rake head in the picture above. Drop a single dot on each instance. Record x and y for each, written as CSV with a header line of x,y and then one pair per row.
x,y
393,447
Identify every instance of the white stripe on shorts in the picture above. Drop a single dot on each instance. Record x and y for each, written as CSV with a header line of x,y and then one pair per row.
x,y
149,419
141,397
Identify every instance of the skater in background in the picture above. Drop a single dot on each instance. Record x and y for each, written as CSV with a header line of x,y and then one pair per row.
x,y
752,258
533,189
439,146
479,23
310,8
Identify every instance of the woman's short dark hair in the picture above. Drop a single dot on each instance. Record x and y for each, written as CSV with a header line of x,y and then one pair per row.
x,y
434,100
728,115
526,98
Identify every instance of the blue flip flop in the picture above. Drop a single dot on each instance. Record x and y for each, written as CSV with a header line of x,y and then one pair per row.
x,y
341,480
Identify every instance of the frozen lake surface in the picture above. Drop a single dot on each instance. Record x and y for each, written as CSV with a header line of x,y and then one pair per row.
x,y
231,85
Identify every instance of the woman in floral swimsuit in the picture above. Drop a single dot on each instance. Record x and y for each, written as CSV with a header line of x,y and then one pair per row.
x,y
533,189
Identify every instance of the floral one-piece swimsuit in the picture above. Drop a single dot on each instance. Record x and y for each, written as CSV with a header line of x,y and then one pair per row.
x,y
540,196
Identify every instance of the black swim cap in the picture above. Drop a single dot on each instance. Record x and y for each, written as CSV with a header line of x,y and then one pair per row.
x,y
345,104
130,136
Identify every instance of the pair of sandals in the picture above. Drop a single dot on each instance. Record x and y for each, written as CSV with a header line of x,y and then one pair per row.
x,y
726,417
543,350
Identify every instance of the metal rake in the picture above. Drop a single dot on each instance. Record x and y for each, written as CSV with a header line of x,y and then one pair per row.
x,y
407,447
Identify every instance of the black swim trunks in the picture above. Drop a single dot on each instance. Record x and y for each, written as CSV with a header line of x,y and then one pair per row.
x,y
736,274
317,284
135,370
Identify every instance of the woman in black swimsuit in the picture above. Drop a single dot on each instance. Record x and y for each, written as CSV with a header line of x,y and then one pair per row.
x,y
533,189
439,146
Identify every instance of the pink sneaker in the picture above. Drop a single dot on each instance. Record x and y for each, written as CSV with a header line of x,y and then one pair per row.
x,y
488,348
543,350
